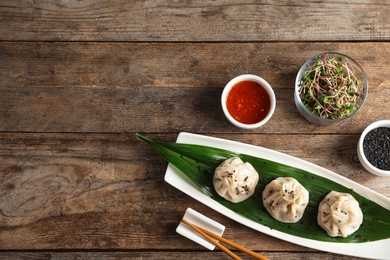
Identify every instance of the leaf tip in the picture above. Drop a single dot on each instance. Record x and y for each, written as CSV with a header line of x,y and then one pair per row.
x,y
143,137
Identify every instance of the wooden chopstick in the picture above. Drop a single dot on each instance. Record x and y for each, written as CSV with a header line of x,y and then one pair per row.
x,y
210,239
210,235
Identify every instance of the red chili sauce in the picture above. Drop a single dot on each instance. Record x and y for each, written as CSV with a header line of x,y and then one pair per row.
x,y
248,102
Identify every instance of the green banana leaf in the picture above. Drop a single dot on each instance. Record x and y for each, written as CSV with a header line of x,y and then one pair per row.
x,y
198,163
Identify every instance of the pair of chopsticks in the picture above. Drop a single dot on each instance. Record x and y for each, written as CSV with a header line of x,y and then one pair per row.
x,y
212,238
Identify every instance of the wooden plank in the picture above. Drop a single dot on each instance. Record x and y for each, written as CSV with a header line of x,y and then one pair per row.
x,y
83,87
153,109
226,20
106,191
126,65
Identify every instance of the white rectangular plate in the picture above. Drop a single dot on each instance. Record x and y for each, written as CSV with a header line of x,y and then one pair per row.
x,y
375,250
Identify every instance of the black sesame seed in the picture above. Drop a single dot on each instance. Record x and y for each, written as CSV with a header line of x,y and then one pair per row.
x,y
376,147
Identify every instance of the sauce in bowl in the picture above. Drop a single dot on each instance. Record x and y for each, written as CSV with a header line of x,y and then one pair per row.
x,y
248,102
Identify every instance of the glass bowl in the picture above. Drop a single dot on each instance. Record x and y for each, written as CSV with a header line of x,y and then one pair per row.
x,y
375,141
248,100
326,101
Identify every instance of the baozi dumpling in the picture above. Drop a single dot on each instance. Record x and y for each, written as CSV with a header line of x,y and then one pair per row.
x,y
339,214
285,199
235,180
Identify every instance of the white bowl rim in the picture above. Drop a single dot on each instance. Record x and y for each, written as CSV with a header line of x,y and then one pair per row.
x,y
254,78
363,160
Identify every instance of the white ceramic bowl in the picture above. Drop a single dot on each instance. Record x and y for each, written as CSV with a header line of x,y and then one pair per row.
x,y
259,80
360,151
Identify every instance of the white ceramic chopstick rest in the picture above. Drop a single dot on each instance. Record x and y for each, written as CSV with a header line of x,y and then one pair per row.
x,y
202,221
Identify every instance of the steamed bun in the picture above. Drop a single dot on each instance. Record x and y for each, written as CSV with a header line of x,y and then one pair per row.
x,y
339,214
235,180
285,199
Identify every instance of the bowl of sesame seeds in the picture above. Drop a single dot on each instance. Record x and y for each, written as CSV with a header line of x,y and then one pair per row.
x,y
374,148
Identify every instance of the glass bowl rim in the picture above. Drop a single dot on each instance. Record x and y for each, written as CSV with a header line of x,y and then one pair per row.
x,y
315,57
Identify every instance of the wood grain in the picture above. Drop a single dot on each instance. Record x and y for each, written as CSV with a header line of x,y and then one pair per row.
x,y
82,87
165,255
201,65
196,21
78,79
106,191
157,110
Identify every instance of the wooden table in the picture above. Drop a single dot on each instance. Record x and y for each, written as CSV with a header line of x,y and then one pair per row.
x,y
78,79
